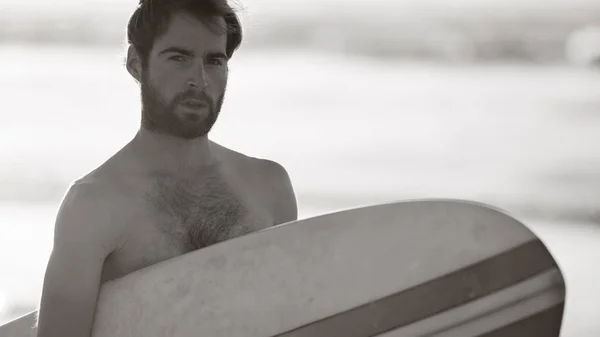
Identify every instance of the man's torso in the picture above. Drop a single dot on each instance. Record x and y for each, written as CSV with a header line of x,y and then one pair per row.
x,y
170,215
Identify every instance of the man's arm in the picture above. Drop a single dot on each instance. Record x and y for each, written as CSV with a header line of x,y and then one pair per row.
x,y
286,206
83,238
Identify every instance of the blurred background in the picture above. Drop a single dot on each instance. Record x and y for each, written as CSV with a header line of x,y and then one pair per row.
x,y
362,101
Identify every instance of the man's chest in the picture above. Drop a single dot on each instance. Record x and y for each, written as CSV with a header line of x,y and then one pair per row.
x,y
175,216
203,211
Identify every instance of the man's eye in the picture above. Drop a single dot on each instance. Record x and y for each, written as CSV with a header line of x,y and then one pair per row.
x,y
177,58
216,62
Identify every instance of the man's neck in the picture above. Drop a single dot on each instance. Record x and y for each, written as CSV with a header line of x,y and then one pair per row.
x,y
165,153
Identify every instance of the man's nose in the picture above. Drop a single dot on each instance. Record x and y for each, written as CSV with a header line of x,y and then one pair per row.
x,y
197,79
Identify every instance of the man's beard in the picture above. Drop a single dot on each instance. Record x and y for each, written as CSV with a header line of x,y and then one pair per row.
x,y
161,116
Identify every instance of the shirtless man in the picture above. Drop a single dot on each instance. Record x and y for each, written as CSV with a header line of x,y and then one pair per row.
x,y
170,190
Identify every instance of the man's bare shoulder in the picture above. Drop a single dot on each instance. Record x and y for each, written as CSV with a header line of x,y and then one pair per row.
x,y
271,178
264,167
283,196
92,210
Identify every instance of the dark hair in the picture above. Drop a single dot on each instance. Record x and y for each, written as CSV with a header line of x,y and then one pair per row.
x,y
152,17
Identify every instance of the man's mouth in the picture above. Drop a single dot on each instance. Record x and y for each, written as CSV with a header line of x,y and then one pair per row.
x,y
194,103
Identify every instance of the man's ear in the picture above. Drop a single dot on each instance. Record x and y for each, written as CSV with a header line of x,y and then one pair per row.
x,y
134,63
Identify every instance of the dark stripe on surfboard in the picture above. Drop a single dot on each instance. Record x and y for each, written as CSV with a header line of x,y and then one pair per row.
x,y
435,296
544,324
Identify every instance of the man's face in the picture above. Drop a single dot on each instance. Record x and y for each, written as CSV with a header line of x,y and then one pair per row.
x,y
183,83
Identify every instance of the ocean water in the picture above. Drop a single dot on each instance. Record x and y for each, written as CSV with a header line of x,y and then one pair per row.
x,y
351,131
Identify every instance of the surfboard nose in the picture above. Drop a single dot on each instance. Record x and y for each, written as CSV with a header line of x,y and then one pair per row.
x,y
481,273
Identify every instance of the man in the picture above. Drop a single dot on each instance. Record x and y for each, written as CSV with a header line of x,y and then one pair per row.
x,y
170,190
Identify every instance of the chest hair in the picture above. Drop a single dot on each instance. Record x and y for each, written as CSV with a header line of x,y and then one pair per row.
x,y
196,213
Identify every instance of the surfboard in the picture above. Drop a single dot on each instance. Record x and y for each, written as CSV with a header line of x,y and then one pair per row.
x,y
444,268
